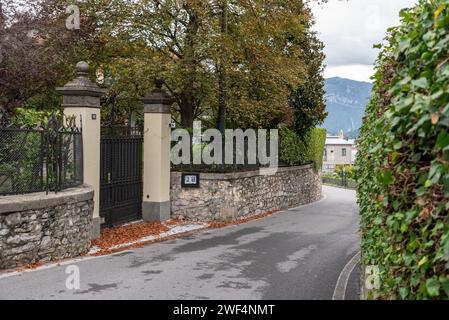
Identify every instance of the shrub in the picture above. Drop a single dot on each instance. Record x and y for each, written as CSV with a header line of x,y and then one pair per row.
x,y
349,169
296,151
403,160
315,141
291,148
29,117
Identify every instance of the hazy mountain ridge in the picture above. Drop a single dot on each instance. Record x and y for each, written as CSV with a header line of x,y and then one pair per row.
x,y
346,101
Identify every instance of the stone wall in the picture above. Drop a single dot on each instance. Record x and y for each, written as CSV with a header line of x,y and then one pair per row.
x,y
235,195
40,227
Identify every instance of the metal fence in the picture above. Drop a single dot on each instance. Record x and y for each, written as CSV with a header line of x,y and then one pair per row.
x,y
47,158
237,154
340,182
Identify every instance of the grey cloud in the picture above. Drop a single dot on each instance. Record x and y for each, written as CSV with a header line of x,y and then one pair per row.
x,y
349,29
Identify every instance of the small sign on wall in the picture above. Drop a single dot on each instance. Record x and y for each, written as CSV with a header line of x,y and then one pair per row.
x,y
190,180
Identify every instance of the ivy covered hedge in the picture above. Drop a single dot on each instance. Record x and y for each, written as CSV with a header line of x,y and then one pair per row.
x,y
294,150
403,160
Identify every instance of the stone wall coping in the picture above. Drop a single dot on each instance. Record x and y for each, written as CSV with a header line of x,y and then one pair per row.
x,y
40,200
244,174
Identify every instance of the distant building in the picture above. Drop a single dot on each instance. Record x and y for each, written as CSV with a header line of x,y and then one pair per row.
x,y
338,151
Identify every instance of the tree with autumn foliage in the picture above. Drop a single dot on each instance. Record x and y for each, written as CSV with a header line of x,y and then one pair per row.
x,y
229,63
238,60
38,53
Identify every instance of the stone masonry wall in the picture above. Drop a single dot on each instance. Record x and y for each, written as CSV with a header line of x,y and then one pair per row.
x,y
40,227
236,195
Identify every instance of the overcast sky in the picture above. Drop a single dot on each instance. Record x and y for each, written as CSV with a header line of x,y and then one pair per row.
x,y
349,28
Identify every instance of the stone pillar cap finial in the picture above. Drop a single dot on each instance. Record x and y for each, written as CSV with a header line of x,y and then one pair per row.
x,y
80,87
158,100
82,68
159,82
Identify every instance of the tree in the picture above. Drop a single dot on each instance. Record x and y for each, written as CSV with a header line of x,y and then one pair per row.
x,y
230,63
38,53
308,98
222,66
28,67
266,61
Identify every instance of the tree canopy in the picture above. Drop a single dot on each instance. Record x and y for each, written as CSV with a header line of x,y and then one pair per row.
x,y
235,63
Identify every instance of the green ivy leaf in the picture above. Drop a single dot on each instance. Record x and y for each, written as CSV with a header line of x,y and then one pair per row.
x,y
423,261
445,285
386,177
403,292
404,44
421,83
376,148
433,287
446,185
445,246
442,140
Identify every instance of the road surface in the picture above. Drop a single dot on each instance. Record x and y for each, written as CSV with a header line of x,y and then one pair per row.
x,y
296,254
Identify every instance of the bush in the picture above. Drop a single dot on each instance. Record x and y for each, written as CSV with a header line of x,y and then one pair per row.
x,y
315,141
403,159
349,169
29,117
296,151
292,150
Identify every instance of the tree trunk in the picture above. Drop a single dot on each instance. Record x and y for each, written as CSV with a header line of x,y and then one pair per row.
x,y
222,78
188,103
187,110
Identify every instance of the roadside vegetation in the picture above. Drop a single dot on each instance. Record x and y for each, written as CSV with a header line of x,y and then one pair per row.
x,y
403,159
343,176
296,150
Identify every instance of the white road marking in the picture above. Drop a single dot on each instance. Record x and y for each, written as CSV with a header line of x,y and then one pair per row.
x,y
342,282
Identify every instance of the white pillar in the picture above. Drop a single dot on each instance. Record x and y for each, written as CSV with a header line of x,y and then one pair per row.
x,y
156,169
81,99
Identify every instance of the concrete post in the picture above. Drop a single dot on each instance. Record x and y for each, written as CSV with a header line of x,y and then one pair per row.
x,y
156,170
81,99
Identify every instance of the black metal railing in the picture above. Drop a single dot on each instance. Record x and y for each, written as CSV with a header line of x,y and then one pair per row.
x,y
121,130
240,159
46,158
340,182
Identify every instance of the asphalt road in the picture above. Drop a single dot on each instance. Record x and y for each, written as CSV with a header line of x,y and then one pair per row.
x,y
296,254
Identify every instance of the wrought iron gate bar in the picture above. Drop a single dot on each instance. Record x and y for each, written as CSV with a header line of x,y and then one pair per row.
x,y
121,175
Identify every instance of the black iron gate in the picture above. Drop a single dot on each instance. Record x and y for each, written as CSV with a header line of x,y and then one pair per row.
x,y
121,175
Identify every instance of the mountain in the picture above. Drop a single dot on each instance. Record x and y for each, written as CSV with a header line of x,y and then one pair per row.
x,y
345,103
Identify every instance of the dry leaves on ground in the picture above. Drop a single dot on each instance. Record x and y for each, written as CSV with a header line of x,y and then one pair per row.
x,y
134,232
128,233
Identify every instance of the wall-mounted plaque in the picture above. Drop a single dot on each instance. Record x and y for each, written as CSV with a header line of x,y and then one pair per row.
x,y
190,180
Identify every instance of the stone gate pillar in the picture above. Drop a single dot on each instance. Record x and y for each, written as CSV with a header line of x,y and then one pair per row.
x,y
81,98
156,170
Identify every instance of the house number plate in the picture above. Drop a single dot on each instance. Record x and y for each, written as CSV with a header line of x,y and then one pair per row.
x,y
190,180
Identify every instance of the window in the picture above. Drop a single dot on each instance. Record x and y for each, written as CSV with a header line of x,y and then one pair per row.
x,y
343,152
325,154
